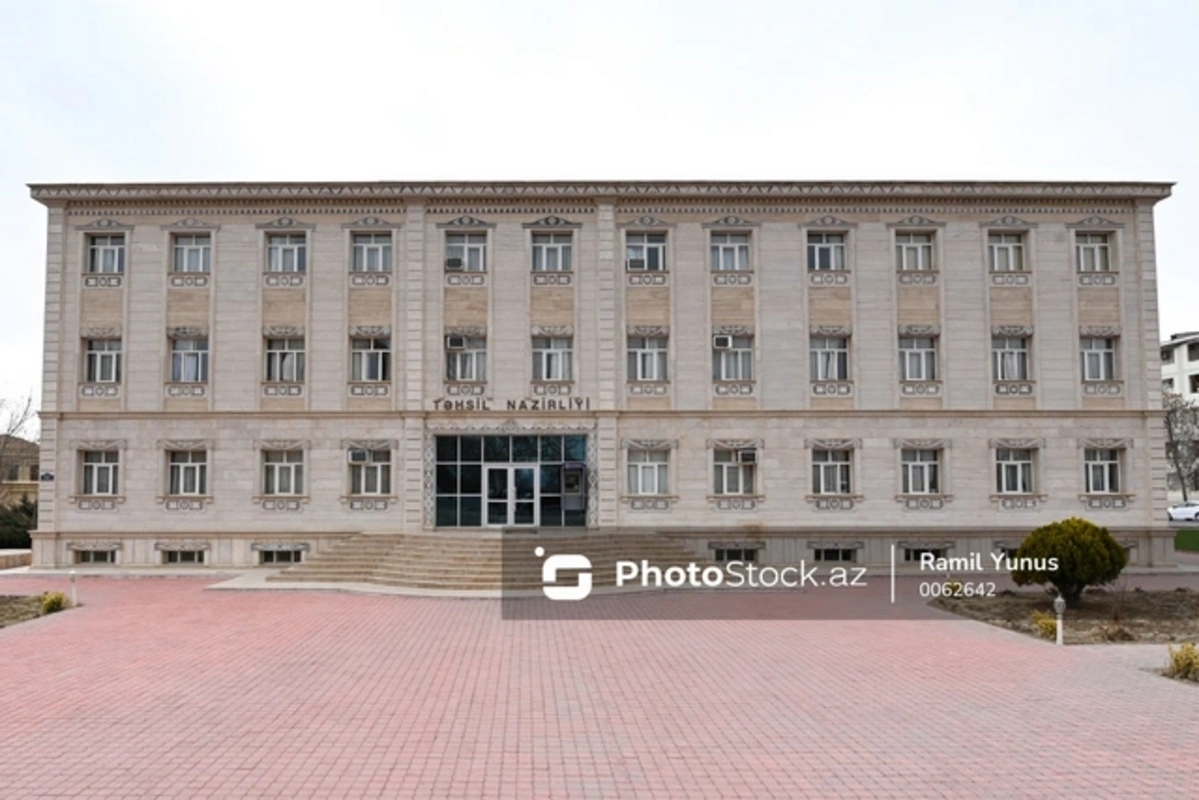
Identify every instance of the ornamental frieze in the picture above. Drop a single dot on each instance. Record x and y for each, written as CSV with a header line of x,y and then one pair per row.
x,y
832,444
191,224
283,331
919,330
369,221
285,223
830,330
553,221
1011,330
1099,330
370,330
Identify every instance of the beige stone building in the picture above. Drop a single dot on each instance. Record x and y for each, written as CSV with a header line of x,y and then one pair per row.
x,y
241,374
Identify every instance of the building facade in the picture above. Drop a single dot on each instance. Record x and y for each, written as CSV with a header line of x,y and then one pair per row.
x,y
1180,366
240,374
18,469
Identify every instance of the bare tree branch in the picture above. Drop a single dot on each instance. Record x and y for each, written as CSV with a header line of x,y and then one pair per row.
x,y
1182,440
15,418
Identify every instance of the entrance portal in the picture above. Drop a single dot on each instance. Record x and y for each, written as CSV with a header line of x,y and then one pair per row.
x,y
511,496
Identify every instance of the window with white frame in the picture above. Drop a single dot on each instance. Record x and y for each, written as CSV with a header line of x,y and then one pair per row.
x,y
106,253
102,361
914,252
645,251
917,358
648,471
286,252
552,252
920,471
193,252
826,252
1102,470
732,358
832,472
466,251
1013,470
95,557
734,471
829,358
370,472
370,359
280,556
183,556
552,357
372,252
647,358
730,252
1009,358
101,472
1093,252
187,472
285,360
1006,252
283,472
466,358
1098,358
189,360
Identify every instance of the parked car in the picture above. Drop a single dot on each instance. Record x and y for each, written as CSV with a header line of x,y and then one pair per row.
x,y
1184,512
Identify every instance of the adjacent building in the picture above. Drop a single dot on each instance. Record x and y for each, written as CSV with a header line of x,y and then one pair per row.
x,y
1180,365
18,469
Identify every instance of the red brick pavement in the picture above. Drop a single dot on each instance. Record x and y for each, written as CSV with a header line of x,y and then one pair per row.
x,y
157,688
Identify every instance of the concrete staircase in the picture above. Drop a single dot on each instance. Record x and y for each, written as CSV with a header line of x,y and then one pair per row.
x,y
466,563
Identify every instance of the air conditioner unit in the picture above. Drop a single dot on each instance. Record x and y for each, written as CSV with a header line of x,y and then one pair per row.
x,y
453,263
636,263
455,342
358,456
747,456
722,341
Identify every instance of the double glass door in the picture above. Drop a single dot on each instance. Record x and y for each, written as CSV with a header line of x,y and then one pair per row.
x,y
511,495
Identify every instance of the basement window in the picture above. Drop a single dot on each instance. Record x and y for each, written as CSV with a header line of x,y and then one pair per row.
x,y
836,554
95,557
280,556
746,554
183,556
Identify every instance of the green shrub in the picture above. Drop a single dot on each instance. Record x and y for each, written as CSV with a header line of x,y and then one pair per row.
x,y
1083,553
1044,624
54,601
16,521
1183,663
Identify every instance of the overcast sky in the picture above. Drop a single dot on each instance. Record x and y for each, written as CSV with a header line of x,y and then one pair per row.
x,y
248,90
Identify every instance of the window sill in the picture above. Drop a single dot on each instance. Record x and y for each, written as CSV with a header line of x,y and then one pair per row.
x,y
283,280
734,388
1014,388
186,389
1098,278
649,502
281,502
829,277
735,502
184,502
96,502
917,277
462,277
834,502
733,277
648,388
1010,277
923,502
1015,501
920,388
188,280
465,388
552,388
101,390
552,277
1115,501
366,279
832,388
368,502
282,389
1103,388
103,280
370,388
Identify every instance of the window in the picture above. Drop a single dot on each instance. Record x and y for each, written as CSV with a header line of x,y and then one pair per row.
x,y
647,472
1098,359
1009,358
917,553
551,252
830,358
280,556
187,472
285,360
917,358
734,471
466,251
647,358
826,252
372,252
730,252
465,358
370,360
13,472
101,472
95,557
33,476
645,251
102,361
1103,470
193,253
286,252
727,554
189,360
1194,384
1006,251
1193,352
732,358
282,472
552,358
831,472
913,251
1092,252
1167,355
835,554
183,556
370,472
1168,385
106,253
1013,471
920,471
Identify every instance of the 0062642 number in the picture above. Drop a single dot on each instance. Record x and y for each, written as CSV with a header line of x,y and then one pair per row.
x,y
956,589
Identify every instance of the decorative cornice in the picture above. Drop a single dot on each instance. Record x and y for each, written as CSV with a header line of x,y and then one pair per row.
x,y
466,330
828,222
731,221
1099,330
183,544
1105,444
1011,330
184,444
1009,222
282,444
191,224
553,221
369,330
99,445
1016,444
370,221
187,332
647,330
368,444
921,444
916,221
1096,223
552,330
104,224
649,444
283,331
646,222
734,330
830,330
832,444
285,224
466,222
106,332
919,330
734,444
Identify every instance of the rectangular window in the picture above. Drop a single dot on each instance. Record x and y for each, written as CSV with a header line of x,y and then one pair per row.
x,y
917,358
189,360
920,471
370,472
916,553
552,358
1168,385
1013,471
101,472
466,251
102,361
187,472
106,253
287,252
728,554
732,358
183,556
95,557
645,251
283,472
1193,381
466,358
1009,358
826,252
1092,251
193,253
647,358
551,252
832,472
280,556
1006,252
1103,471
735,471
285,360
835,554
730,252
1193,352
1098,359
913,252
1167,355
13,472
830,358
372,252
370,360
647,472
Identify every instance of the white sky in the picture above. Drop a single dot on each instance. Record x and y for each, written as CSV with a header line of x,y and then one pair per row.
x,y
516,89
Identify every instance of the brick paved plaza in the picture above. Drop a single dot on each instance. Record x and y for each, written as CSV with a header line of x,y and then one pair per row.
x,y
158,688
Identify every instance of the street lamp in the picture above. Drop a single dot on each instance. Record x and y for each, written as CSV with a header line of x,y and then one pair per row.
x,y
1059,607
74,596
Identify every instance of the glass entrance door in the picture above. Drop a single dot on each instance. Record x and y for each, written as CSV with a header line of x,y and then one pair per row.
x,y
511,496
